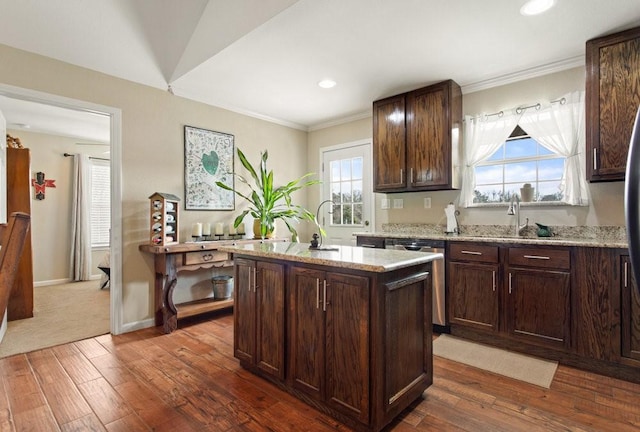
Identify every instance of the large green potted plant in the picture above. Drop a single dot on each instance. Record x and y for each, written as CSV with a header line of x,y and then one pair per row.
x,y
268,203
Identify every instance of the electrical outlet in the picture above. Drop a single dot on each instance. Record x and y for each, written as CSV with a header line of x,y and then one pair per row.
x,y
398,203
385,203
427,202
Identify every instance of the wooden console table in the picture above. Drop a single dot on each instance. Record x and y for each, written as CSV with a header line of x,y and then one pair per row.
x,y
169,260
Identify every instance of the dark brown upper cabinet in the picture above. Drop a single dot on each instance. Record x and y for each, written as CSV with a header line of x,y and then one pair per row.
x,y
417,139
612,99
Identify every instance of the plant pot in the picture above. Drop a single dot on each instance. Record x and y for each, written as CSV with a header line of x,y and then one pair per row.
x,y
257,233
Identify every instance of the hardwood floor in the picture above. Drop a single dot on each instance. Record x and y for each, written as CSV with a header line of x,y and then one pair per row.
x,y
189,381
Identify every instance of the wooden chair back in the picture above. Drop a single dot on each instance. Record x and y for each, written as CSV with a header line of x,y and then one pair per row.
x,y
13,240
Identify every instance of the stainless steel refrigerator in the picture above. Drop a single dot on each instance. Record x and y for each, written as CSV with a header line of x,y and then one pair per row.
x,y
632,198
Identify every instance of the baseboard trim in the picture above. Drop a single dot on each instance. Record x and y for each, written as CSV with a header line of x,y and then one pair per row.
x,y
52,282
137,325
61,281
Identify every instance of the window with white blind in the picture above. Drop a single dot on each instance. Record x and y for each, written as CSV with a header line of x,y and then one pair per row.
x,y
100,203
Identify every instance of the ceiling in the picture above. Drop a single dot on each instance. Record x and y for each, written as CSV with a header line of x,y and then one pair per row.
x,y
264,58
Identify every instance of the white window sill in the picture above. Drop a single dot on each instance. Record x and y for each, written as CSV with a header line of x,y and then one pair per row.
x,y
506,204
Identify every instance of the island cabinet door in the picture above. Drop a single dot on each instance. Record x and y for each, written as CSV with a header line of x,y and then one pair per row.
x,y
348,346
244,337
259,315
306,331
269,288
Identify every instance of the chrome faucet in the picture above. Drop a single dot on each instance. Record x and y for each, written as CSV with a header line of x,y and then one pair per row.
x,y
320,225
318,210
514,209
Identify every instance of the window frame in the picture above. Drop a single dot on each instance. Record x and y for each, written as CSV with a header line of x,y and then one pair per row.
x,y
517,134
101,163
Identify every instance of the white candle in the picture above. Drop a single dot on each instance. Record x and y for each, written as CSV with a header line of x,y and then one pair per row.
x,y
241,228
196,230
219,228
232,230
206,229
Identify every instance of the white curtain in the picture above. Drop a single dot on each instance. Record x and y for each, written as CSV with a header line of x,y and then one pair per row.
x,y
80,219
560,128
483,136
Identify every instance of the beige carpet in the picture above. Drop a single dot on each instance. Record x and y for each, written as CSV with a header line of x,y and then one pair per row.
x,y
61,313
521,367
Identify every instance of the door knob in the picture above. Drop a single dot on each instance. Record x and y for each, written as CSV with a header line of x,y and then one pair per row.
x,y
366,223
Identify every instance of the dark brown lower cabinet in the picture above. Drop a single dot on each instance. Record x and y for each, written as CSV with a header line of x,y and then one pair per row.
x,y
354,344
596,303
259,315
329,338
473,299
577,305
519,293
630,319
538,306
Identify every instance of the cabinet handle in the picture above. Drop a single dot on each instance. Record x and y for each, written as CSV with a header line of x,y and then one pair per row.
x,y
411,175
538,257
324,295
595,161
466,252
207,257
509,282
626,274
317,293
368,245
401,175
494,280
255,279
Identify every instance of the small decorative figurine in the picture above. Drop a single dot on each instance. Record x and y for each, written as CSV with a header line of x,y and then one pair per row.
x,y
314,241
543,230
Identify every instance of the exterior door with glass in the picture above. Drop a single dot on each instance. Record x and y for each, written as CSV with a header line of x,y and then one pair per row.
x,y
347,193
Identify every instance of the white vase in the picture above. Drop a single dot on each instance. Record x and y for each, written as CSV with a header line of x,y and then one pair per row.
x,y
526,193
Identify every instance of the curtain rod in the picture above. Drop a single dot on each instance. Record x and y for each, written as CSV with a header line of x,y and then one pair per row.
x,y
521,109
90,157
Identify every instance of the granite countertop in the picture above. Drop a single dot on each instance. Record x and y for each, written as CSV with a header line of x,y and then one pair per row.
x,y
607,237
351,257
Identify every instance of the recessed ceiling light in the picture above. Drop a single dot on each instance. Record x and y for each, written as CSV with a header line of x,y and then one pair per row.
x,y
327,83
535,7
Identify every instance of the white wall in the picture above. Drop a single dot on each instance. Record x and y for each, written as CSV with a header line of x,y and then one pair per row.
x,y
51,217
152,152
606,199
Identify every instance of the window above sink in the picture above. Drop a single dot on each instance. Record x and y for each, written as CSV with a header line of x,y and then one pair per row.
x,y
518,161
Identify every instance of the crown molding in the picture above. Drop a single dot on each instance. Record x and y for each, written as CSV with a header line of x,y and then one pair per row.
x,y
357,116
533,72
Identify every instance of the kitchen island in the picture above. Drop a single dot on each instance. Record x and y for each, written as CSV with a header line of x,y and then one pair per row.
x,y
347,331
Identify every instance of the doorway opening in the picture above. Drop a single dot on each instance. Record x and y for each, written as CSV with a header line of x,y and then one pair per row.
x,y
115,151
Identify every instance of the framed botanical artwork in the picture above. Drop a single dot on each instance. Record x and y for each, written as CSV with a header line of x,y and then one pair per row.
x,y
208,158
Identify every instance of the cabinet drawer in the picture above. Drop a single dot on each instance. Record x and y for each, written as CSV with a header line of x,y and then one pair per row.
x,y
370,242
204,257
533,257
473,252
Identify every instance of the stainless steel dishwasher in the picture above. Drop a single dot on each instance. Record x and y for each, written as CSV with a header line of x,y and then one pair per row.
x,y
437,271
